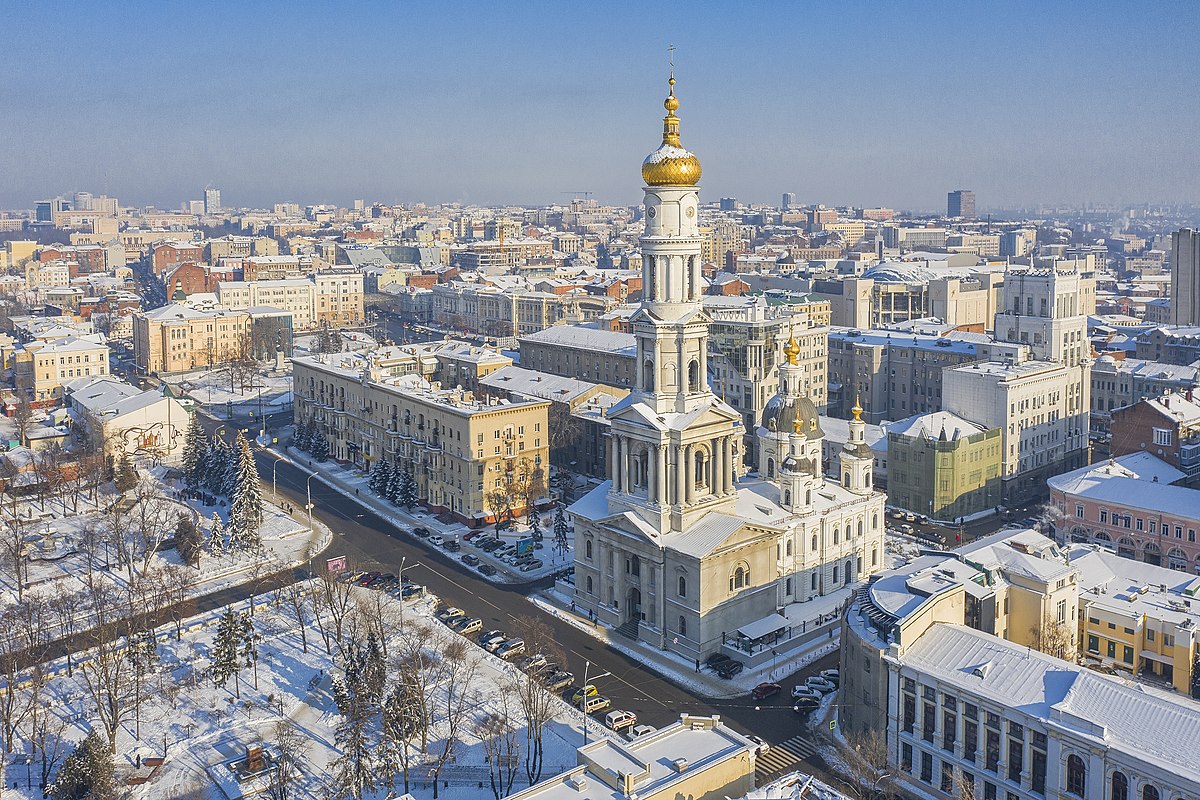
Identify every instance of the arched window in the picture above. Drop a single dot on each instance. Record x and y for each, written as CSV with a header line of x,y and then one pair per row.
x,y
699,468
682,626
648,376
874,556
589,585
587,546
683,586
1149,792
849,571
770,468
836,534
846,479
1120,787
787,497
740,578
814,543
860,528
789,547
693,375
835,574
812,581
1076,776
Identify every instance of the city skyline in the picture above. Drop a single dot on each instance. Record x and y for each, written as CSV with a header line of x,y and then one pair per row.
x,y
495,107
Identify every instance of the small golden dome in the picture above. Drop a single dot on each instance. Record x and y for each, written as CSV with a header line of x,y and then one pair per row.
x,y
857,410
791,351
671,164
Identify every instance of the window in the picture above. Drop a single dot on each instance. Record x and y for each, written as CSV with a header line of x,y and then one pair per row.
x,y
909,717
906,757
1037,770
1103,515
989,791
814,543
1149,792
1016,759
927,721
740,578
589,585
947,776
1076,776
949,727
588,548
1120,787
1162,437
1079,511
682,626
970,738
991,750
926,767
682,586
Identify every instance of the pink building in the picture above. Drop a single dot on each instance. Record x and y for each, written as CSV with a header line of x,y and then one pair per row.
x,y
1132,505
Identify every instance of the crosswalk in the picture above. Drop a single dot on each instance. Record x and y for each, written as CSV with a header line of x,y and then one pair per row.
x,y
783,757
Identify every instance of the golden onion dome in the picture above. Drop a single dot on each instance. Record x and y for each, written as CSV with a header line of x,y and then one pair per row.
x,y
671,164
791,350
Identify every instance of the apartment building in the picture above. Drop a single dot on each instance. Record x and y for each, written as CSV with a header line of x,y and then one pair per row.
x,y
167,254
893,292
42,368
589,354
458,446
500,255
334,299
1135,505
239,247
1041,409
178,338
1118,384
942,465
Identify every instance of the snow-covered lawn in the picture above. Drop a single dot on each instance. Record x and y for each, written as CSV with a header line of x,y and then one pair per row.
x,y
202,726
214,388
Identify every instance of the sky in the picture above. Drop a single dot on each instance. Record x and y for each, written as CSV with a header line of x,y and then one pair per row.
x,y
869,104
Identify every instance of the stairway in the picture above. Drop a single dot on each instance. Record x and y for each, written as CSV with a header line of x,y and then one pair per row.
x,y
628,629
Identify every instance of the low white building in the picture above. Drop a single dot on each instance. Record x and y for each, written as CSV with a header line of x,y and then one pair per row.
x,y
117,416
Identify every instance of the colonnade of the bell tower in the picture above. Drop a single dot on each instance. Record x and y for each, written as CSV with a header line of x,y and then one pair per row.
x,y
673,473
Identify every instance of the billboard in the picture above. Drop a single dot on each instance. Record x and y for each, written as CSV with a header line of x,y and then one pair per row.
x,y
524,546
337,564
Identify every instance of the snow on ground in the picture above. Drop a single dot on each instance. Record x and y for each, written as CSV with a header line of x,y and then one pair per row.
x,y
680,670
203,726
352,482
215,388
796,786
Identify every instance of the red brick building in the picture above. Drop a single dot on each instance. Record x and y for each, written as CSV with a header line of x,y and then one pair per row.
x,y
192,278
1167,427
167,254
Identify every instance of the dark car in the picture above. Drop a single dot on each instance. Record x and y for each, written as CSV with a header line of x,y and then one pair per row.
x,y
803,705
487,569
730,668
716,660
422,532
452,545
765,690
471,536
365,580
470,560
412,590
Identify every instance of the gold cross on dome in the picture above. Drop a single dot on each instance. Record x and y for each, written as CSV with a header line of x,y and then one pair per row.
x,y
671,57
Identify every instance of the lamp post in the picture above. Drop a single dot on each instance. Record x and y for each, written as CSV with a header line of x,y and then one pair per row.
x,y
400,578
587,665
308,496
274,485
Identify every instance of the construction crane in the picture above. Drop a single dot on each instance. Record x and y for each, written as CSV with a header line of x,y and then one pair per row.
x,y
586,195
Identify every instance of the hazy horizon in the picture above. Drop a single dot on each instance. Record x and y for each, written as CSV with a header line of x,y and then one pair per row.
x,y
874,104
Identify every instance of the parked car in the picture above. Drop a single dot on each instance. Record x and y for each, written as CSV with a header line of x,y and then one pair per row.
x,y
421,532
639,730
559,681
492,639
437,540
472,536
806,693
820,684
582,692
367,577
487,569
597,703
470,560
908,529
412,590
760,745
765,690
530,566
832,675
730,668
467,625
510,648
452,545
715,660
619,720
448,614
535,661
803,705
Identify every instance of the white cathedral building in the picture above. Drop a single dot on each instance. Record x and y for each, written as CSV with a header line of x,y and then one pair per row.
x,y
675,550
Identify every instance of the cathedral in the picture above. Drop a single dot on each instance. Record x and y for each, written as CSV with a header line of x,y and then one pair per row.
x,y
675,549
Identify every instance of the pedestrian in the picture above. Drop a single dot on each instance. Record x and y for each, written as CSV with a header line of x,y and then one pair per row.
x,y
697,665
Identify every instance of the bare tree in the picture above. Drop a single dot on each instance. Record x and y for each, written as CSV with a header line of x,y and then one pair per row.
x,y
61,611
500,746
47,733
867,761
380,613
48,468
418,670
22,416
535,703
1053,638
153,514
176,582
298,597
459,675
334,602
108,678
291,747
13,550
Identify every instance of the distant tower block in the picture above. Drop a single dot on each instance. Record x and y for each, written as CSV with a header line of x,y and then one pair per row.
x,y
961,203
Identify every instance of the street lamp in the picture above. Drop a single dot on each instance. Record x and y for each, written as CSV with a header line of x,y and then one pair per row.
x,y
308,497
587,665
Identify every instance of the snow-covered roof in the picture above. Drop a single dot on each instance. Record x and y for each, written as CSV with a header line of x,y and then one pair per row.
x,y
940,425
585,338
531,383
1133,719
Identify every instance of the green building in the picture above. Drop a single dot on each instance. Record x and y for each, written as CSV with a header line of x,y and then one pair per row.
x,y
942,465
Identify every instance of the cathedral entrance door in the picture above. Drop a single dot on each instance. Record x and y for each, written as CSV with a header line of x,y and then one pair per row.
x,y
634,605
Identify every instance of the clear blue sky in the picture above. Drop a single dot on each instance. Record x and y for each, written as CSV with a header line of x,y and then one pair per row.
x,y
864,103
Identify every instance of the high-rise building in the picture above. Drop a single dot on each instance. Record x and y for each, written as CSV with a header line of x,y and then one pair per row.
x,y
789,200
729,204
961,203
1185,277
212,201
83,201
674,550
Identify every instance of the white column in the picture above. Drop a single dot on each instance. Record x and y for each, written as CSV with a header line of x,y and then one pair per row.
x,y
717,484
688,474
727,478
651,475
619,466
660,491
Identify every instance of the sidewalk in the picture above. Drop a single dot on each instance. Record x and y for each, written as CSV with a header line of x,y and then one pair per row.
x,y
353,484
680,670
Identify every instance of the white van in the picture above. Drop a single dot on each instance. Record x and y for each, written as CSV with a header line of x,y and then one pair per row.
x,y
618,720
597,702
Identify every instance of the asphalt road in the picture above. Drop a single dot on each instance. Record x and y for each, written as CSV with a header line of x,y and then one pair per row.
x,y
371,542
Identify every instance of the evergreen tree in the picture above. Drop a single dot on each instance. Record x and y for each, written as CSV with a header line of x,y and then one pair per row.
x,y
246,511
216,541
216,466
87,772
358,703
408,491
395,483
302,438
249,646
195,446
226,651
229,479
189,541
535,524
561,529
381,476
125,476
320,445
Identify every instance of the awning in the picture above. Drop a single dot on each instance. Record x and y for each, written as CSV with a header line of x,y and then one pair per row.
x,y
763,627
1153,656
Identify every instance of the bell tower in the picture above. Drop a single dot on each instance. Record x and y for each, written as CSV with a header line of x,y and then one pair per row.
x,y
675,444
857,458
